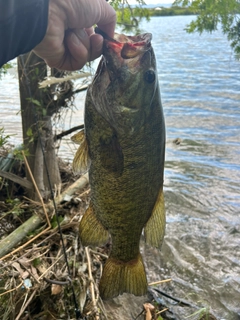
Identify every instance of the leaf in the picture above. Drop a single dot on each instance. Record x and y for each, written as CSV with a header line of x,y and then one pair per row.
x,y
56,289
148,308
36,102
44,111
29,132
36,262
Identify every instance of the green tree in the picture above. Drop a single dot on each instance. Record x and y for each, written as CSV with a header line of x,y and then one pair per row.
x,y
129,17
215,13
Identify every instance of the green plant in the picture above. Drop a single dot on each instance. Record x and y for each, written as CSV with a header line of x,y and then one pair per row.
x,y
215,13
3,138
4,68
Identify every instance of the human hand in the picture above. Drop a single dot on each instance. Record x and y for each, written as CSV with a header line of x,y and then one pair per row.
x,y
70,40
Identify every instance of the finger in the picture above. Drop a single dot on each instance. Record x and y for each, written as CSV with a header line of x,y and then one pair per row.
x,y
107,21
85,13
83,37
96,46
89,31
78,49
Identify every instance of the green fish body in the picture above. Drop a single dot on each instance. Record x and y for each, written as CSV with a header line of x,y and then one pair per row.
x,y
124,140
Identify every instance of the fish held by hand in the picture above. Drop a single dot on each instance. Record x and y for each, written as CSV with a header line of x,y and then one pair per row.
x,y
123,145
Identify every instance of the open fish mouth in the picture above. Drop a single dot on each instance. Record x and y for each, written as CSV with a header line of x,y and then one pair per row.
x,y
121,77
128,47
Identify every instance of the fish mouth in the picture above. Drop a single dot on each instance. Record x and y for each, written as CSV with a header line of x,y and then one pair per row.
x,y
116,82
127,47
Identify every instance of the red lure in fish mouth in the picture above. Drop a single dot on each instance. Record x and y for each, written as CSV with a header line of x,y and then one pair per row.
x,y
127,47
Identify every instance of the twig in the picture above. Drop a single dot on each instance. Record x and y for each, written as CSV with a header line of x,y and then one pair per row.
x,y
181,302
38,256
13,177
26,304
60,283
37,190
11,290
161,311
159,282
32,223
143,310
42,275
28,270
9,212
28,242
91,283
53,80
102,308
83,88
67,132
99,254
32,249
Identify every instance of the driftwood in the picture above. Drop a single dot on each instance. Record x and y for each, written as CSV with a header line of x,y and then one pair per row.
x,y
13,239
52,80
13,177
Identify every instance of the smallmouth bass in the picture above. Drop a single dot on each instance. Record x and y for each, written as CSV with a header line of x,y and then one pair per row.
x,y
123,145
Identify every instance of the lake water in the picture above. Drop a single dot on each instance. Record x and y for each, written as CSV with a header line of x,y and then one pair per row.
x,y
200,87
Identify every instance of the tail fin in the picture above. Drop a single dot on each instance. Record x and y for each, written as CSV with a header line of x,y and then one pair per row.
x,y
119,277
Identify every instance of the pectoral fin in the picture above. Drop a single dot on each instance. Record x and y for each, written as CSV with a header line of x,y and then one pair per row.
x,y
78,137
91,230
155,228
81,161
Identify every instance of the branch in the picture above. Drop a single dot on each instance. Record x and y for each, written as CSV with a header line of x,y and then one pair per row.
x,y
13,239
13,177
53,80
83,88
67,132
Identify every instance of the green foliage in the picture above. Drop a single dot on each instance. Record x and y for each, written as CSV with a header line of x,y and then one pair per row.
x,y
18,152
128,17
16,209
36,262
4,68
39,105
3,138
54,222
211,14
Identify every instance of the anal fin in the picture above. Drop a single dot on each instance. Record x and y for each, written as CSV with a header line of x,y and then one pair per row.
x,y
91,230
155,228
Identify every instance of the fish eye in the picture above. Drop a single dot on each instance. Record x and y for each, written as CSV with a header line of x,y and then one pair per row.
x,y
149,76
